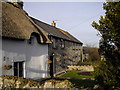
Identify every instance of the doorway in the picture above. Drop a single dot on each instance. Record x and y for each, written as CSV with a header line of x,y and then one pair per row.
x,y
51,66
18,69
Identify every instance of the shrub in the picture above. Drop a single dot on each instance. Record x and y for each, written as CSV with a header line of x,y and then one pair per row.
x,y
106,76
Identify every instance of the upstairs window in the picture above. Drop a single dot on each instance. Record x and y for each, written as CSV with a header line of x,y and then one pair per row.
x,y
75,44
54,42
62,43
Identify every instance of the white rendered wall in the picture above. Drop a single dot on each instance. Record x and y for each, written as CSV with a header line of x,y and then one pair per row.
x,y
34,55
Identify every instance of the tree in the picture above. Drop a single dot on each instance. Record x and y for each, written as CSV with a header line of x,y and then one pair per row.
x,y
108,73
93,54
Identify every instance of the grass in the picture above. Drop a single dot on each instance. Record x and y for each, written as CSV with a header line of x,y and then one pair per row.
x,y
78,80
74,74
79,83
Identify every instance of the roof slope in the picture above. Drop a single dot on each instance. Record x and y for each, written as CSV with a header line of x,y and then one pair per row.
x,y
70,36
51,30
17,24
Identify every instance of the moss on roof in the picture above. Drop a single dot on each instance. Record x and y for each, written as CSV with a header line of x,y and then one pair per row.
x,y
71,37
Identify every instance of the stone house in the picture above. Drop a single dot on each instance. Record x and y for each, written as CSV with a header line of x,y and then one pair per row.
x,y
65,49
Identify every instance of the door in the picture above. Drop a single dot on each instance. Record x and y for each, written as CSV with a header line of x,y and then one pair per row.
x,y
51,66
18,69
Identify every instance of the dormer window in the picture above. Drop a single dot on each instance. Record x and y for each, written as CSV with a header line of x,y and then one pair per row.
x,y
31,40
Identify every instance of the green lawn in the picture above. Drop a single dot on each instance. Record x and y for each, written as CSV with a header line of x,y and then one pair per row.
x,y
78,80
74,74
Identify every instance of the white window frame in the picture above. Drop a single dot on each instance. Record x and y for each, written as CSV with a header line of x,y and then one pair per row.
x,y
19,67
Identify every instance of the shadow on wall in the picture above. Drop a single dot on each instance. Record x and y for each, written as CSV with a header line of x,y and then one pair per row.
x,y
36,74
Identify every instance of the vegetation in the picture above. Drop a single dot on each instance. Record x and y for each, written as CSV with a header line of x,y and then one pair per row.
x,y
93,57
75,74
77,79
92,52
107,74
80,83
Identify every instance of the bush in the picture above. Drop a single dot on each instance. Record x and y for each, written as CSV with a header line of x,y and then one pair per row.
x,y
106,76
108,27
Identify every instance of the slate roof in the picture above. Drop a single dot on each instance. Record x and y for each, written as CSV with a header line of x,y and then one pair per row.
x,y
17,24
54,31
72,38
51,30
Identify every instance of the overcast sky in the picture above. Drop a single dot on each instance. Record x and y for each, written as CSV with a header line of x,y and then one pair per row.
x,y
74,17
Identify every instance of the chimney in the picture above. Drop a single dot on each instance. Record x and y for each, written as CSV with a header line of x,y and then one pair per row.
x,y
17,3
53,23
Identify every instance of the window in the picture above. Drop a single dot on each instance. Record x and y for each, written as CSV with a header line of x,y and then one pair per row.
x,y
72,43
31,40
18,69
75,44
62,43
54,42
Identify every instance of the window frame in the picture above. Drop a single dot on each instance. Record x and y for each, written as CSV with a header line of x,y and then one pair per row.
x,y
18,68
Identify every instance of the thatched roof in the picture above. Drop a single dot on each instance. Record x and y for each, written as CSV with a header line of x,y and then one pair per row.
x,y
17,24
51,30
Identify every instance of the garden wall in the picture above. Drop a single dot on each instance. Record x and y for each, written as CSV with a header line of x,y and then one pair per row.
x,y
81,68
17,82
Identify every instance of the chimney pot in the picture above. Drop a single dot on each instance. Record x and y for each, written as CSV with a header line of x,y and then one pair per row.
x,y
53,23
17,3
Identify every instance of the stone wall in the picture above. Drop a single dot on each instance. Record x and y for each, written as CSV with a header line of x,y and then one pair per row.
x,y
17,82
81,68
70,54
